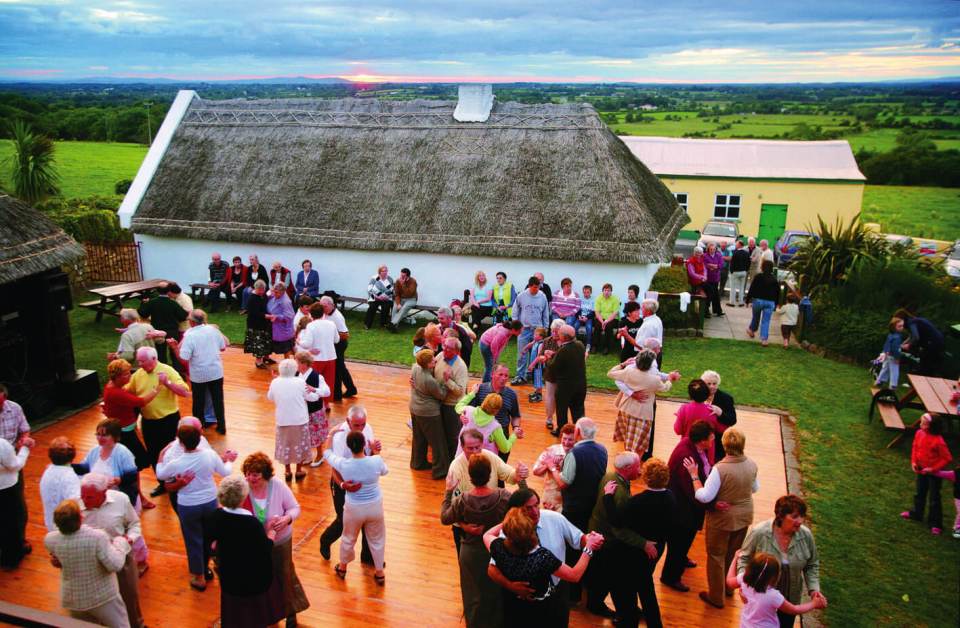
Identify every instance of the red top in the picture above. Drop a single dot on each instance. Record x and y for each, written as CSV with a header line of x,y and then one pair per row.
x,y
119,404
929,451
691,412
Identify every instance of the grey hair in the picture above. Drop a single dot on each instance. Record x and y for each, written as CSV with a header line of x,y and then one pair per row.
x,y
567,331
751,239
149,352
259,283
645,359
327,300
453,341
625,460
651,304
279,286
762,242
129,314
588,429
232,491
557,324
445,310
708,374
651,343
355,411
96,480
287,368
198,316
698,249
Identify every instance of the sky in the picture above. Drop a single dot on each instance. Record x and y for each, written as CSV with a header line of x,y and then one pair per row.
x,y
493,41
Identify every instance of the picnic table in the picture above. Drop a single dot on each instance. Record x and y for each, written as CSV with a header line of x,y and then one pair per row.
x,y
111,298
929,394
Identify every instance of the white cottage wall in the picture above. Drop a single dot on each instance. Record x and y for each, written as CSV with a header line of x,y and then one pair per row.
x,y
440,278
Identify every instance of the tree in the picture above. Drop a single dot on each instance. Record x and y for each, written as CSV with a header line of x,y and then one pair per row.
x,y
33,175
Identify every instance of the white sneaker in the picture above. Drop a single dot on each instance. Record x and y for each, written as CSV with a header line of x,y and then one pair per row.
x,y
316,463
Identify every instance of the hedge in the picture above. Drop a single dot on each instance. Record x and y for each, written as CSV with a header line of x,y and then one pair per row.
x,y
90,219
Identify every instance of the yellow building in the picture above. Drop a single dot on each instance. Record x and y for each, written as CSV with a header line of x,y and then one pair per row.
x,y
766,186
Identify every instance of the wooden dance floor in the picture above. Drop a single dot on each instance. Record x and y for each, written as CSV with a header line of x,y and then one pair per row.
x,y
422,586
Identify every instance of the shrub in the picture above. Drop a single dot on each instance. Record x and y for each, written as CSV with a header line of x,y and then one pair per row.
x,y
673,279
122,186
89,219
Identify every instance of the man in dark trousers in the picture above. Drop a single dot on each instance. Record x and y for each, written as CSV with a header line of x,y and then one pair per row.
x,y
165,314
569,369
579,479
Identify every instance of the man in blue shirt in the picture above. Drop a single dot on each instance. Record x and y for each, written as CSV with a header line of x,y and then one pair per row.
x,y
532,310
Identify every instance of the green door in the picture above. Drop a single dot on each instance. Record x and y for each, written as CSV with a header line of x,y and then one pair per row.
x,y
773,221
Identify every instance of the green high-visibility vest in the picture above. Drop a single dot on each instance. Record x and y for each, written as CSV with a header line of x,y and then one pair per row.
x,y
498,295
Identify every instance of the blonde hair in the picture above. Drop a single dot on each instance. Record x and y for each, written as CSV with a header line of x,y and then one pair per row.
x,y
476,277
733,441
520,530
304,357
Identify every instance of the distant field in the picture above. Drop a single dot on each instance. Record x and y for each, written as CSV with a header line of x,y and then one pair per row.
x,y
915,211
86,168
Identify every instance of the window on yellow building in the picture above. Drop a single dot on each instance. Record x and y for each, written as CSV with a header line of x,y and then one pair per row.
x,y
727,207
681,199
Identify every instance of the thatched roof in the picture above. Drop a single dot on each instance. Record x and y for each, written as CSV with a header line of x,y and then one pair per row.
x,y
539,181
30,242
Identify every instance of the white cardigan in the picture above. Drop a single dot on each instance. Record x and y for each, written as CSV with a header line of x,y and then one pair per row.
x,y
290,395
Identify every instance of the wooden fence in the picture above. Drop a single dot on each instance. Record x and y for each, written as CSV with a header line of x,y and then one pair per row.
x,y
112,262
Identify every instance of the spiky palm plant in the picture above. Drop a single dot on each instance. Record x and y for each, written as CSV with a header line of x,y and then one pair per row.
x,y
33,175
826,260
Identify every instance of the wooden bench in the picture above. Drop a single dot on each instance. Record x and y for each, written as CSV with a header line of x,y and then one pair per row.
x,y
16,615
198,291
356,302
885,402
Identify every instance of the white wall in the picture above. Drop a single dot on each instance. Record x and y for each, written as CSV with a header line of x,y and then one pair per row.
x,y
440,278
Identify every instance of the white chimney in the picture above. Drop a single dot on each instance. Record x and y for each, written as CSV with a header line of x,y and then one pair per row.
x,y
474,103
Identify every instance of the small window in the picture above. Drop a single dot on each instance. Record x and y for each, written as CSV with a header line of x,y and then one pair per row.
x,y
727,207
681,199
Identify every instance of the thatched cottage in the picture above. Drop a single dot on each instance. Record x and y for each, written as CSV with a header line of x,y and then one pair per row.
x,y
354,183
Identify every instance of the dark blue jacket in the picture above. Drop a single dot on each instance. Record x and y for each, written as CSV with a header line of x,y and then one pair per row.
x,y
580,497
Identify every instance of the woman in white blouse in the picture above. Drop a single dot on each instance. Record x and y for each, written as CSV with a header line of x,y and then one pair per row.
x,y
13,545
59,481
290,394
197,499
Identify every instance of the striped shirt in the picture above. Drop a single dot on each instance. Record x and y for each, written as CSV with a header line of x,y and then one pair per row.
x,y
564,305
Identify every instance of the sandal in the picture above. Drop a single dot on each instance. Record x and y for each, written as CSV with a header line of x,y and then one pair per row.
x,y
381,580
341,573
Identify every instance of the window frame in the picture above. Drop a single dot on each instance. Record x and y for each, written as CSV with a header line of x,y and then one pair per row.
x,y
726,206
686,199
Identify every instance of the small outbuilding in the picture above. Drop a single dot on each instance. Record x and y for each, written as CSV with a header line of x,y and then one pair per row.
x,y
441,189
767,186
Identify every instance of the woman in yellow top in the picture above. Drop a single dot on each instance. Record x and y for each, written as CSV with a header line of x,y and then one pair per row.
x,y
607,311
484,420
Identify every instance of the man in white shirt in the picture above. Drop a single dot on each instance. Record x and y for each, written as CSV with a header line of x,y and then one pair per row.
x,y
13,544
201,347
320,339
652,326
357,422
342,377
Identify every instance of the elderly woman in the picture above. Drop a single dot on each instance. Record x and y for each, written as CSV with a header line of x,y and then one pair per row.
x,y
552,459
122,405
731,483
482,508
426,395
59,481
519,557
259,338
197,500
363,508
280,314
697,273
275,507
114,460
722,406
697,409
481,299
250,594
552,344
290,395
135,334
635,418
379,297
317,423
713,262
763,295
88,560
786,537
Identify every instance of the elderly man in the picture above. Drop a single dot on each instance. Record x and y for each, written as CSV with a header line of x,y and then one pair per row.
x,y
404,298
112,512
319,339
569,368
218,281
175,449
452,371
165,315
201,348
509,414
341,378
651,327
739,266
557,535
88,559
160,416
467,336
136,334
532,309
754,252
458,475
356,422
547,292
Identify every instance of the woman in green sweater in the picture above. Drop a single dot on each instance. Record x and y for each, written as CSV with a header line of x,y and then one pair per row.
x,y
484,420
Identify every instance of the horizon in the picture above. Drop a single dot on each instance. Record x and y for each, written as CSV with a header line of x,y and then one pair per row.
x,y
689,42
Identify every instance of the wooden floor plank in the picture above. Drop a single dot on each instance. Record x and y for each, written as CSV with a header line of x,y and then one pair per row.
x,y
422,579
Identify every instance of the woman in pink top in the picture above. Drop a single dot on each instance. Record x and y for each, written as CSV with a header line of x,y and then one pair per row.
x,y
492,343
697,409
566,303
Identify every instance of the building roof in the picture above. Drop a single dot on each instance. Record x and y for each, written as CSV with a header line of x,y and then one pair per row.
x,y
30,242
746,159
533,181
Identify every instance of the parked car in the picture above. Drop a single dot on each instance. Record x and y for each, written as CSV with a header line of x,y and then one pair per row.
x,y
953,261
786,246
721,233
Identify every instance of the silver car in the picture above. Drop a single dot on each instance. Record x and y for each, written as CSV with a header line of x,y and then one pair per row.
x,y
721,233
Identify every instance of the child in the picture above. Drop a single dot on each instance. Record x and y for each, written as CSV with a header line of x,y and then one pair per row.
x,y
535,366
890,356
762,600
789,314
585,320
953,476
928,456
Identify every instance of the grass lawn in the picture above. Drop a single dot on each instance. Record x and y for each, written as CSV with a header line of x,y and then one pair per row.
x,y
875,568
86,168
927,212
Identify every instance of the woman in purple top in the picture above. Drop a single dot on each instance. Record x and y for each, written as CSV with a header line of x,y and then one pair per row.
x,y
713,262
280,314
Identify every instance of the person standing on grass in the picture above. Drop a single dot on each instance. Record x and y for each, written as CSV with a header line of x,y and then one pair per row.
x,y
493,341
532,310
201,348
504,294
890,371
928,456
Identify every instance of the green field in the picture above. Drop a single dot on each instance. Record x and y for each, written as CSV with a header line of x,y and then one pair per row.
x,y
915,211
86,168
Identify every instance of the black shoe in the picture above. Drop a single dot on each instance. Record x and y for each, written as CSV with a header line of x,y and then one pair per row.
x,y
324,550
676,586
719,314
350,393
691,564
603,611
555,433
221,430
208,574
291,621
158,491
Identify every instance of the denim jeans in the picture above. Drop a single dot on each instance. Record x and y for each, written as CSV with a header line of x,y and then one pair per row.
x,y
526,336
487,362
738,284
890,371
762,313
588,329
400,312
246,295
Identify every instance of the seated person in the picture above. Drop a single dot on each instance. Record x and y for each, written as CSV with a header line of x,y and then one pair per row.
x,y
308,281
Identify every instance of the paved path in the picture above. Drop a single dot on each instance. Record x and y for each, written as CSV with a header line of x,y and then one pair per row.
x,y
734,325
